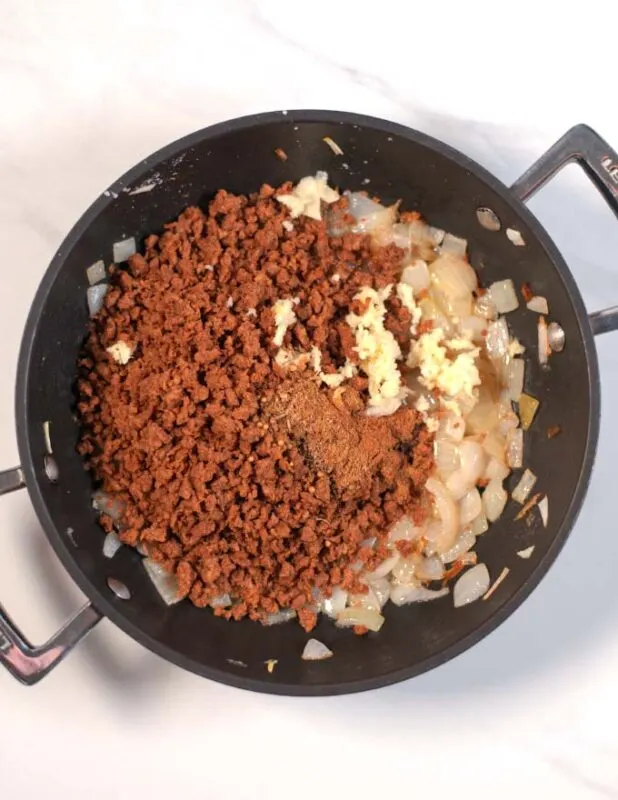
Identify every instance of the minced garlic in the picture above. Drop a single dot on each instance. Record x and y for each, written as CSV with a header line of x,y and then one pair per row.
x,y
307,195
121,352
454,374
377,348
283,311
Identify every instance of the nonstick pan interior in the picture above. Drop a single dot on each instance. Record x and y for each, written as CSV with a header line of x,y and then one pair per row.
x,y
392,163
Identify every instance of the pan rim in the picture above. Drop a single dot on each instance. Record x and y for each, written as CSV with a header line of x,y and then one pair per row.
x,y
104,605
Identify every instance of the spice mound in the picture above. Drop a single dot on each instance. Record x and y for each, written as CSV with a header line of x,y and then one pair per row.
x,y
225,410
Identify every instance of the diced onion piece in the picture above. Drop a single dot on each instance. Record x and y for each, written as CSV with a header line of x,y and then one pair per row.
x,y
430,569
453,281
528,406
473,328
416,275
497,339
465,542
166,583
496,583
402,595
515,448
382,590
404,529
452,427
355,615
515,378
107,504
278,618
338,152
368,601
480,525
446,457
524,487
123,250
405,571
515,237
383,569
544,510
470,506
447,511
95,296
494,445
472,585
529,506
369,217
96,273
538,304
543,341
47,437
494,500
526,553
556,337
111,545
484,307
224,600
453,245
496,470
334,605
503,295
316,650
435,235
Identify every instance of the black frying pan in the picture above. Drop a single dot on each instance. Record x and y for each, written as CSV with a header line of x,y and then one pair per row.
x,y
448,188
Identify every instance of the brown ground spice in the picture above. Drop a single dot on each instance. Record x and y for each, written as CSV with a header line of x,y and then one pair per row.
x,y
218,455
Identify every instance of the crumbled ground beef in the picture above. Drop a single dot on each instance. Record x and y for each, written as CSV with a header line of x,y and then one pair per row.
x,y
217,486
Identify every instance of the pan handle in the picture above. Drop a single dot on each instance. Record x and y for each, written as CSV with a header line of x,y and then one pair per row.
x,y
24,661
600,163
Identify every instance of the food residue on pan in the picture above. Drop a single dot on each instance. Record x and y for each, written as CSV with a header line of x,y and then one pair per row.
x,y
317,412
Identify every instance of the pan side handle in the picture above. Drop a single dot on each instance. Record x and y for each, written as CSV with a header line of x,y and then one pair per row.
x,y
599,161
26,662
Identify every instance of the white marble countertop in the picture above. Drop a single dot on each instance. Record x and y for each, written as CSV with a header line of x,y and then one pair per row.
x,y
87,89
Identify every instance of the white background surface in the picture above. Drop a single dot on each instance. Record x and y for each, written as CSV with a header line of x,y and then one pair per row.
x,y
86,90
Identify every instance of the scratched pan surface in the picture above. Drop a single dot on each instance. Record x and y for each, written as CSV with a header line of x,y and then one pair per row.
x,y
399,164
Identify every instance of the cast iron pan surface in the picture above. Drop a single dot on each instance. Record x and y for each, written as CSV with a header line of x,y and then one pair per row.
x,y
239,156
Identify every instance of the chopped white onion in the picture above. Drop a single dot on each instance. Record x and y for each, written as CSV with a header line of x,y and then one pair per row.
x,y
416,275
111,545
316,651
369,216
470,506
383,569
47,437
402,595
430,569
355,615
107,504
452,427
515,237
465,542
494,445
96,273
526,553
404,571
382,590
95,296
515,378
484,307
480,525
404,529
497,339
368,601
496,470
123,250
224,600
543,341
334,605
453,281
473,461
166,583
446,456
474,328
544,510
494,500
278,618
515,448
338,152
524,487
503,296
472,585
538,304
447,511
453,245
